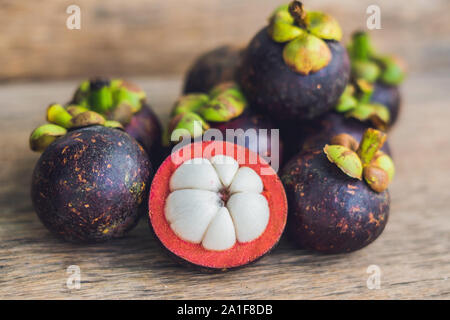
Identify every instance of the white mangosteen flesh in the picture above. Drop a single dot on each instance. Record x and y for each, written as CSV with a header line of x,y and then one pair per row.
x,y
216,203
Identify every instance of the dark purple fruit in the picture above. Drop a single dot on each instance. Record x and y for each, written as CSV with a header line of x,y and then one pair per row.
x,y
145,127
272,87
388,96
329,211
316,133
91,184
211,68
337,195
262,145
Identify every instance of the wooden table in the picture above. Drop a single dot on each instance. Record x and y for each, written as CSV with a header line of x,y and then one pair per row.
x,y
413,253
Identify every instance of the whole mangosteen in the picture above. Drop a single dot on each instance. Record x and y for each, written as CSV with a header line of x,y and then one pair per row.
x,y
91,183
225,110
295,69
352,115
337,197
384,73
212,68
125,102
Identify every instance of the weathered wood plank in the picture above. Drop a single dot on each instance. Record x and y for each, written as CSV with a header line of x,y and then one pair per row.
x,y
148,37
413,253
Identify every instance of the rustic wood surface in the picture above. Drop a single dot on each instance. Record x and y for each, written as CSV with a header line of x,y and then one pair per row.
x,y
413,253
154,37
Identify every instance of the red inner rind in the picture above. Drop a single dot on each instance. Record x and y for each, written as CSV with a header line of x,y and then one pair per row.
x,y
240,253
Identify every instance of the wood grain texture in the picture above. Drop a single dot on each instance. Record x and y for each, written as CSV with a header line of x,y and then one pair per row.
x,y
154,37
413,252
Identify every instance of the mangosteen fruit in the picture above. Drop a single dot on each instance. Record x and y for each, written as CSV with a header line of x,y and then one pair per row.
x,y
122,101
315,134
217,206
223,114
337,196
385,74
295,69
212,68
91,182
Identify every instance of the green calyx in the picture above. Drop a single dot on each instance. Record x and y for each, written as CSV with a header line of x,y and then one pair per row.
x,y
110,103
195,112
370,66
304,32
104,96
356,104
43,136
364,160
346,160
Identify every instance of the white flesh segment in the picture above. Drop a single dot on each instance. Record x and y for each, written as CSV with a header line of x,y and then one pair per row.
x,y
226,168
220,234
190,212
246,180
196,173
250,213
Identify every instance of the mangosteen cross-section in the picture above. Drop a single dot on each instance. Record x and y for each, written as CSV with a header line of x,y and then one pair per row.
x,y
216,212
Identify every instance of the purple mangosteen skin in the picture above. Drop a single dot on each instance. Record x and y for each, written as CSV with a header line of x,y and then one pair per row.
x,y
330,212
146,129
318,132
250,120
272,87
212,68
91,185
390,97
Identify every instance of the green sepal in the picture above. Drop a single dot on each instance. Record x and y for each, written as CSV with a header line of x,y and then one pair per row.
x,y
192,122
43,136
101,100
323,26
282,14
113,124
88,118
367,70
123,96
56,114
307,54
392,73
345,159
189,103
347,101
383,161
280,31
377,113
75,110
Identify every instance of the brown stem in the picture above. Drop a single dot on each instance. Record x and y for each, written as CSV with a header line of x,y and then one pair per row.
x,y
298,13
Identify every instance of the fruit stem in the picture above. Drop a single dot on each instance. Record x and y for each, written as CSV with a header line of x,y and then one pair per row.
x,y
298,13
371,142
361,46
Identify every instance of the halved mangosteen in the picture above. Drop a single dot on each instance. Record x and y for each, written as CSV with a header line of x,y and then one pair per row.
x,y
217,205
338,198
212,68
295,69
